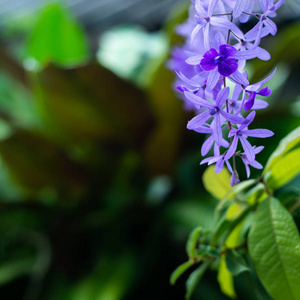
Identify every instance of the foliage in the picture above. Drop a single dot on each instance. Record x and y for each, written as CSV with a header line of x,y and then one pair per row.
x,y
100,185
271,240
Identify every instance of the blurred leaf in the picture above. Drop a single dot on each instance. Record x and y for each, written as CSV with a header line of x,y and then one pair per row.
x,y
229,226
234,210
235,263
91,102
240,187
274,247
192,241
225,279
13,269
57,37
132,46
284,170
110,282
256,194
194,279
180,270
285,145
36,163
191,213
218,184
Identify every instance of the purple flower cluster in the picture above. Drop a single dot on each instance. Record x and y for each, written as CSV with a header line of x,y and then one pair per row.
x,y
215,52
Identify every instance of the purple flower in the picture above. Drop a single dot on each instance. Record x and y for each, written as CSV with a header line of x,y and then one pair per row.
x,y
205,19
236,105
214,111
210,141
242,133
253,163
264,25
223,60
253,90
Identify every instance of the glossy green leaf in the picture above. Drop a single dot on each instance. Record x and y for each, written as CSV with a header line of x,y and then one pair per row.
x,y
218,184
274,246
284,169
57,37
285,145
235,262
192,241
194,279
180,270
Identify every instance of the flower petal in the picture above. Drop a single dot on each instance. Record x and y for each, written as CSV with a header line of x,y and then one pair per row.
x,y
232,148
207,145
247,148
227,66
198,120
198,100
212,80
260,133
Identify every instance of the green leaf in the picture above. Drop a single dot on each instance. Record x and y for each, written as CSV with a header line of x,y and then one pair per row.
x,y
180,270
284,169
235,262
57,37
274,247
194,279
240,187
217,184
286,144
227,226
225,279
192,241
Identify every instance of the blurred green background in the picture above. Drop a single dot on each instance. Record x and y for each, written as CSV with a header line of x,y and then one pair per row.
x,y
100,182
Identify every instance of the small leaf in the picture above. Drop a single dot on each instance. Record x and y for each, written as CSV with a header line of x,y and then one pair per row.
x,y
274,247
217,184
192,241
180,270
286,144
57,37
194,279
235,262
225,279
228,226
240,187
284,169
256,194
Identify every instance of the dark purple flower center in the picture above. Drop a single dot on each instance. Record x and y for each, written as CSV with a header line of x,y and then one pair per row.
x,y
213,111
224,60
240,134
